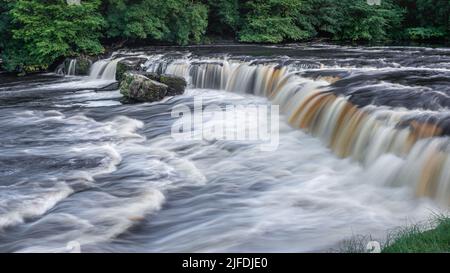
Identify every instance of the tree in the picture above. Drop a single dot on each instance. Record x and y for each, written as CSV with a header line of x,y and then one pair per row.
x,y
172,21
271,21
319,17
44,31
362,22
5,23
224,17
36,33
426,19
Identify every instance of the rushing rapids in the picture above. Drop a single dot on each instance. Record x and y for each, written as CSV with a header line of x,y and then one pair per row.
x,y
104,69
362,132
364,147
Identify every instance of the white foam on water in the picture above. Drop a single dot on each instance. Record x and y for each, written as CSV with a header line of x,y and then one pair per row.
x,y
221,195
98,218
300,197
21,203
92,217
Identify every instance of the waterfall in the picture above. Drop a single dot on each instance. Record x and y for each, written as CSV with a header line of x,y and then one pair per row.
x,y
109,72
368,134
97,69
104,70
72,67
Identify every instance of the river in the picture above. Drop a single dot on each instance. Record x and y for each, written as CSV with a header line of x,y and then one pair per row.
x,y
363,148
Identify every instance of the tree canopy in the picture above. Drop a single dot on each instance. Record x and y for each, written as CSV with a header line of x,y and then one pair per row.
x,y
42,31
36,33
175,21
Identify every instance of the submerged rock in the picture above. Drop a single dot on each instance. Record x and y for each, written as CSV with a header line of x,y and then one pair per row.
x,y
140,88
176,84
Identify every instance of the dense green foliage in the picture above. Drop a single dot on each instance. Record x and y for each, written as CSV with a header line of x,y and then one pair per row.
x,y
426,19
361,22
43,31
36,33
5,23
174,21
271,21
224,17
280,20
319,18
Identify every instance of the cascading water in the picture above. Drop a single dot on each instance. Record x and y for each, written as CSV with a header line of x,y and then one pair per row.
x,y
72,67
366,134
371,152
104,70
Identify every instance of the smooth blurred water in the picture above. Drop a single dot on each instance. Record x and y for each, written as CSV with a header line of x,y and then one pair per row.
x,y
78,165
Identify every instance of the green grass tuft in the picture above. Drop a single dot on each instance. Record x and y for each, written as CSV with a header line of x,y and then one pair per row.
x,y
433,237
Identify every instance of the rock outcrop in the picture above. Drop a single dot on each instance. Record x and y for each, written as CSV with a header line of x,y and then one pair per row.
x,y
128,65
176,84
150,87
140,88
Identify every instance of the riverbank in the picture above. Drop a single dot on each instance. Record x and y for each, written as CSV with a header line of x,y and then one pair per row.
x,y
432,236
36,46
421,238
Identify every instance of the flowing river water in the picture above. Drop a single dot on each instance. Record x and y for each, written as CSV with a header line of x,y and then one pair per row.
x,y
363,148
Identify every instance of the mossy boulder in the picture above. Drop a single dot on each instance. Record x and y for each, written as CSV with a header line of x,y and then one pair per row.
x,y
140,88
121,69
152,76
176,84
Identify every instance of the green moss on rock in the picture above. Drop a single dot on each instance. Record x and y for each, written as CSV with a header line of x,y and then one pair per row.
x,y
128,65
152,76
140,88
176,84
121,69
